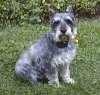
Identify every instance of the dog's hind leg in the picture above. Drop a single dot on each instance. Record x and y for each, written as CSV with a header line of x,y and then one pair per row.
x,y
26,73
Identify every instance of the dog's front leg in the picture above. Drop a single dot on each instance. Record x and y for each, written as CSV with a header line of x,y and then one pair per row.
x,y
52,76
65,74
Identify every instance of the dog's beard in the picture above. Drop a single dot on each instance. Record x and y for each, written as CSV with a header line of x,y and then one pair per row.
x,y
62,40
69,35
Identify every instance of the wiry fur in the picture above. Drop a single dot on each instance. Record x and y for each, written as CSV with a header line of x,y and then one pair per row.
x,y
44,58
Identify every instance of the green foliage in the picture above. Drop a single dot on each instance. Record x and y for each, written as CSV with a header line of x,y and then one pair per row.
x,y
35,11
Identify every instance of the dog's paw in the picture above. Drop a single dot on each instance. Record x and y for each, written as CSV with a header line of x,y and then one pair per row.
x,y
54,83
69,80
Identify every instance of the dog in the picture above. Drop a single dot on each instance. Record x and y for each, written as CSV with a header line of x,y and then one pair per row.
x,y
52,54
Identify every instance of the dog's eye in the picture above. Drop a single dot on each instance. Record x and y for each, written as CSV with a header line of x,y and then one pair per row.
x,y
68,21
56,22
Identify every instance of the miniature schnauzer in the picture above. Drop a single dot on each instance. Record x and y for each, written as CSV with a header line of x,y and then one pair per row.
x,y
52,54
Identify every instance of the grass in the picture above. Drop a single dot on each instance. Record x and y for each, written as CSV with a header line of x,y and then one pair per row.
x,y
85,68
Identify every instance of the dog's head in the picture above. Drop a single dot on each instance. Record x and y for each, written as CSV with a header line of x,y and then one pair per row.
x,y
63,25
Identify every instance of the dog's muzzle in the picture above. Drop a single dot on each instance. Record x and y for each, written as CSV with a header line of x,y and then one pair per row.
x,y
63,38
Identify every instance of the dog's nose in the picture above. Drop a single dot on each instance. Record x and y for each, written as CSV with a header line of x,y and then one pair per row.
x,y
63,31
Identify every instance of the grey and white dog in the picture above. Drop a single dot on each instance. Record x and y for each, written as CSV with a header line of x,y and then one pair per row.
x,y
52,54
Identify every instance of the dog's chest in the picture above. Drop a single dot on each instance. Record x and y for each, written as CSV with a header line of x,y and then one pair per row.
x,y
63,56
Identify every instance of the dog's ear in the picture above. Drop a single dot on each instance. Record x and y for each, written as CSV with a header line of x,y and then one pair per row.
x,y
69,9
51,12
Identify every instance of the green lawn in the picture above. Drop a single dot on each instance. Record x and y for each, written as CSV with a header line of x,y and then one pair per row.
x,y
85,68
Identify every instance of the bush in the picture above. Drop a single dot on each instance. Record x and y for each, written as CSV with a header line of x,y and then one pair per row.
x,y
35,11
